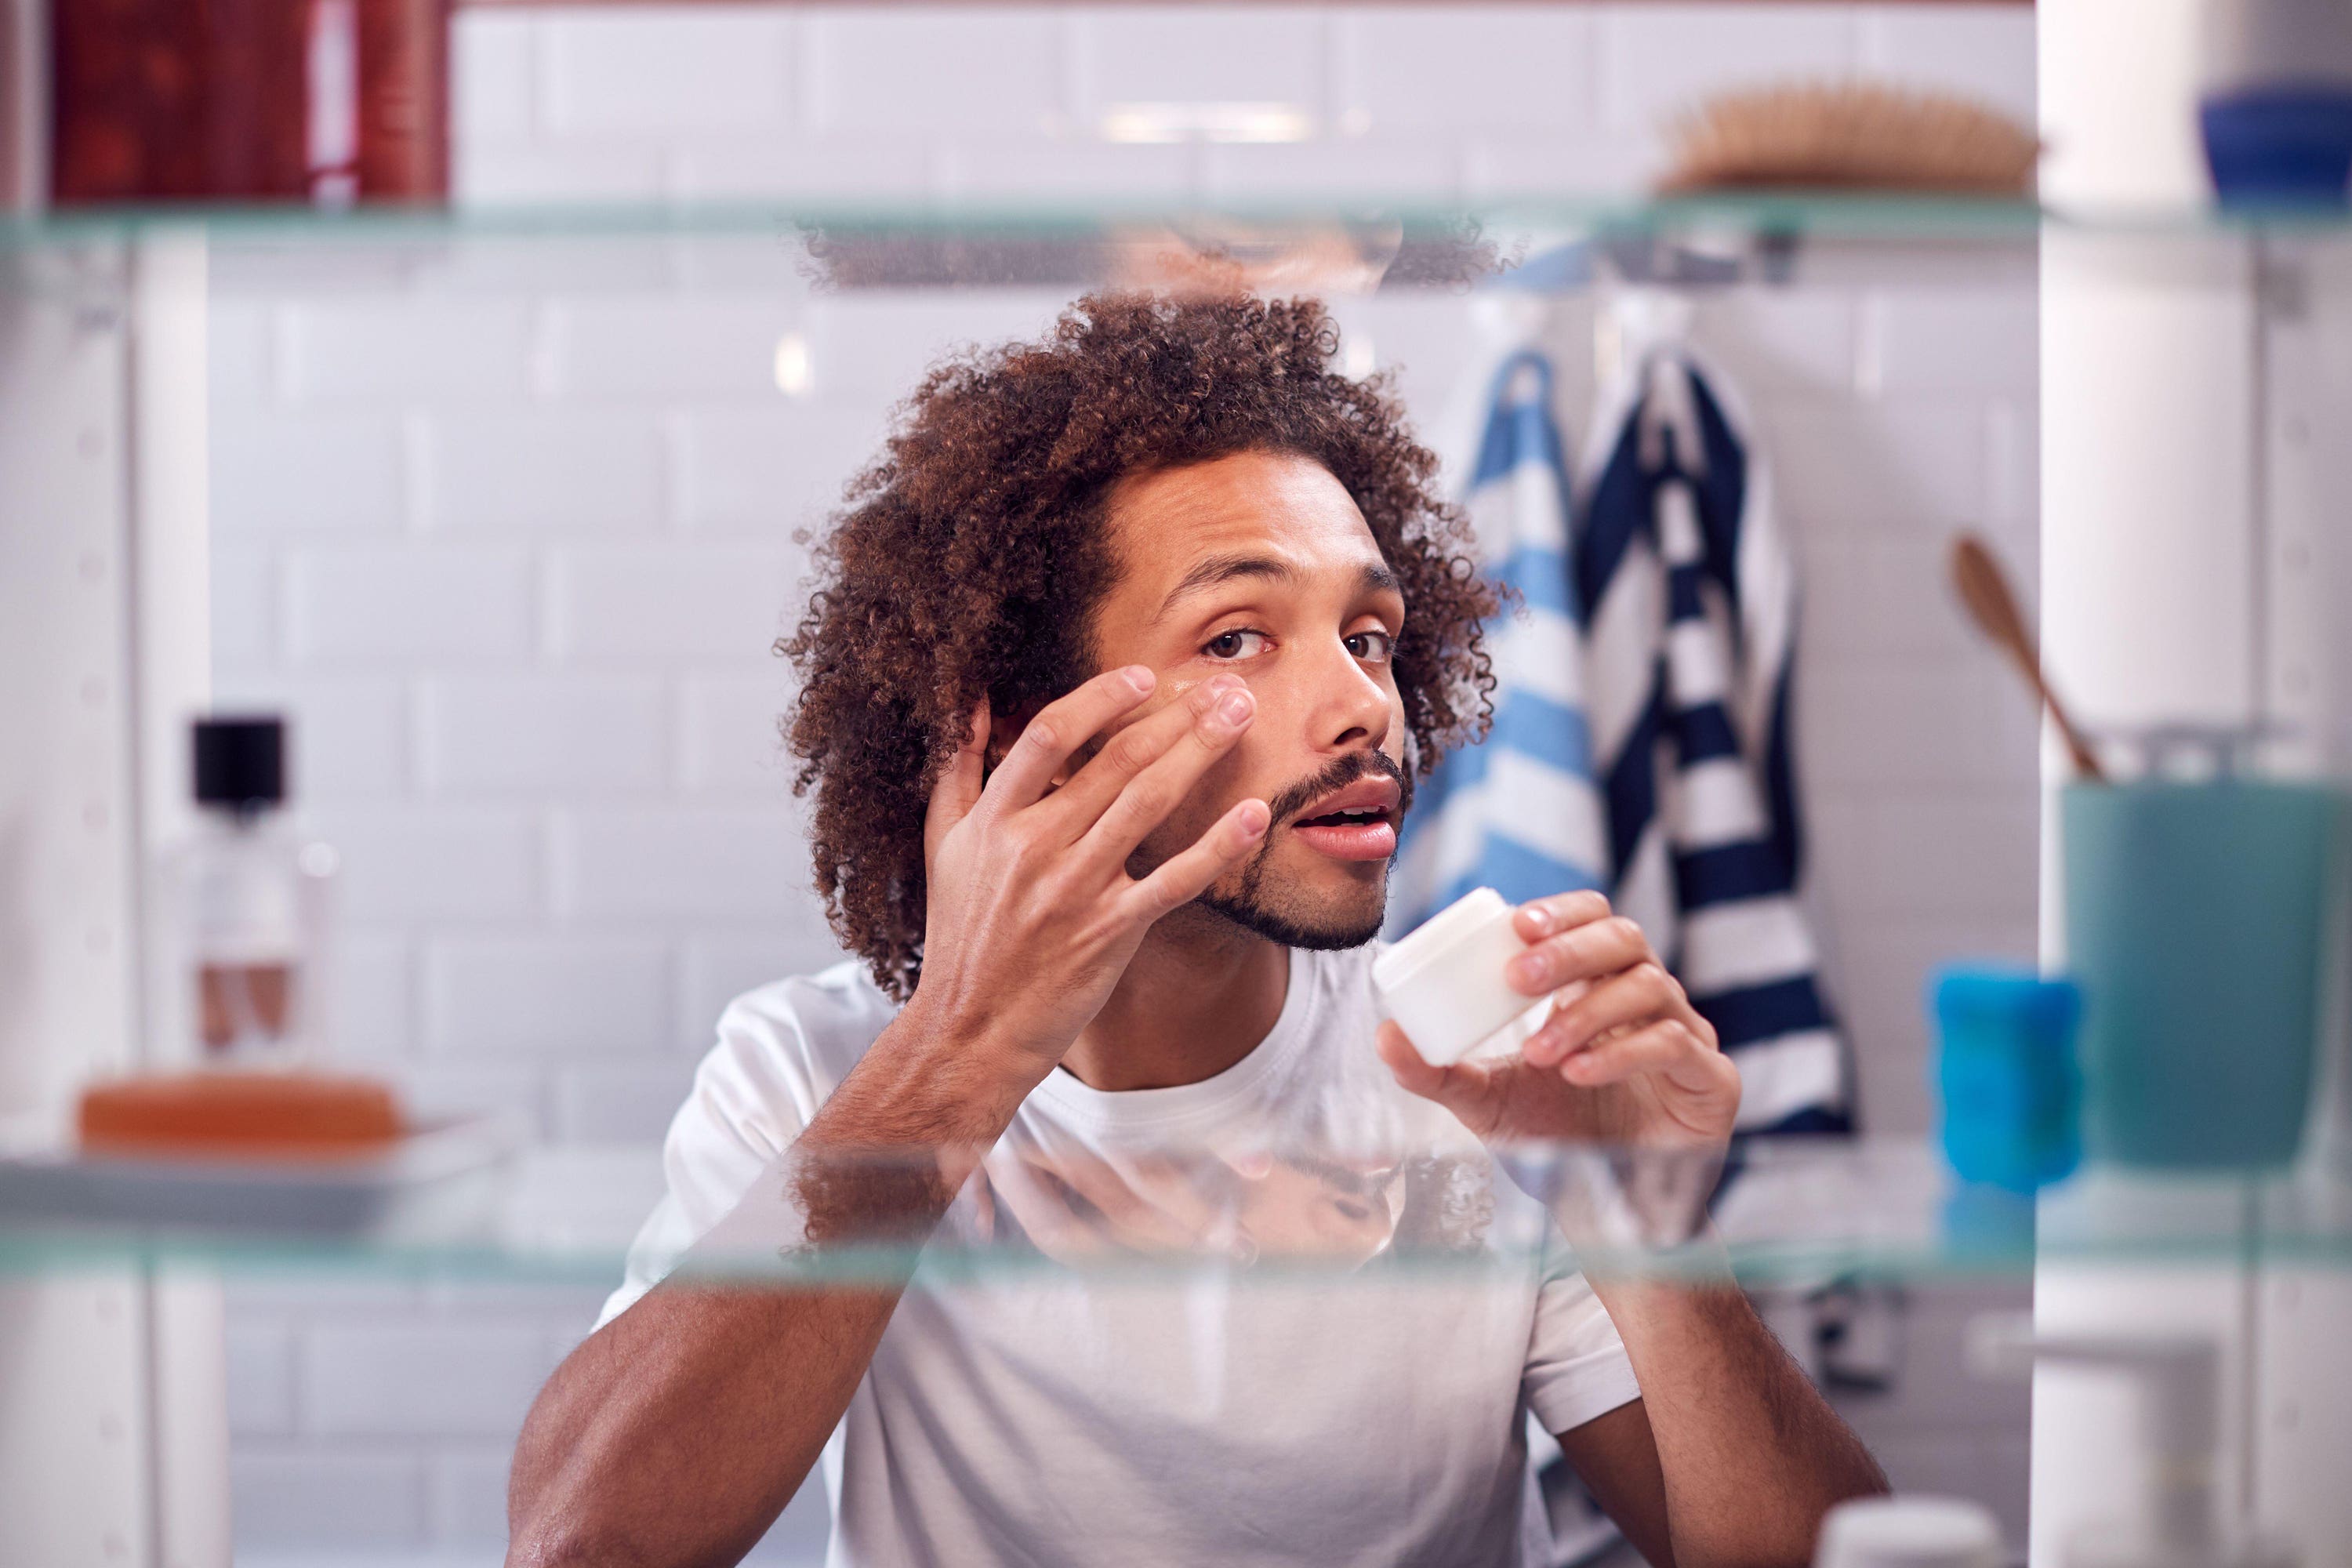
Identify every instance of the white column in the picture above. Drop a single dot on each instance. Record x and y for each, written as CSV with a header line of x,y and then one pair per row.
x,y
74,1434
113,1432
2183,578
172,666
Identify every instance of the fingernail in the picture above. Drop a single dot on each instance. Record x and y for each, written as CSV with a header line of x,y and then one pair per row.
x,y
1253,818
1235,708
1539,917
1526,969
1140,677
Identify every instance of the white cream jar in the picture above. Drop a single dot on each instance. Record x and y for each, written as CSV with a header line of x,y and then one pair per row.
x,y
1444,985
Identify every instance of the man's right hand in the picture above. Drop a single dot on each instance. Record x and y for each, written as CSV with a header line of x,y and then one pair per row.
x,y
1032,916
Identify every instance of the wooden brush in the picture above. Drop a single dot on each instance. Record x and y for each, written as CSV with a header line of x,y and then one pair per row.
x,y
1856,135
1984,589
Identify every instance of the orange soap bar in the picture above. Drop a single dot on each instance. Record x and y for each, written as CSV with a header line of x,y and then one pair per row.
x,y
239,1112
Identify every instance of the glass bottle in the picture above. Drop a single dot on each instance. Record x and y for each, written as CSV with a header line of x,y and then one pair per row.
x,y
246,908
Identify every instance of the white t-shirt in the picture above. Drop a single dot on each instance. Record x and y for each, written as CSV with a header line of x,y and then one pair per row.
x,y
1208,1415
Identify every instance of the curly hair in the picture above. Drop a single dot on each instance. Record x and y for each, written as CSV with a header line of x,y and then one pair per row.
x,y
970,556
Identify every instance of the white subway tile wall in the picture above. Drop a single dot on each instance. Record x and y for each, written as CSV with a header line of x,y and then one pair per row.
x,y
1654,62
507,526
924,72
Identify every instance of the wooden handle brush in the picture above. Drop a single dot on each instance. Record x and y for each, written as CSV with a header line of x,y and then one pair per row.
x,y
1984,589
1852,135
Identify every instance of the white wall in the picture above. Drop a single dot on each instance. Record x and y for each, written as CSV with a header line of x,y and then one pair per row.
x,y
506,526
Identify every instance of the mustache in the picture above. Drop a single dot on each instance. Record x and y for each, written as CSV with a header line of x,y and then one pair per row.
x,y
1343,770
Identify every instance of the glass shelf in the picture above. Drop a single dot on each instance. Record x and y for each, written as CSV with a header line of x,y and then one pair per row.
x,y
1406,243
1784,211
1797,1211
1827,212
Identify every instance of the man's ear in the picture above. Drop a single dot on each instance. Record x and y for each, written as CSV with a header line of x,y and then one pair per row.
x,y
1007,729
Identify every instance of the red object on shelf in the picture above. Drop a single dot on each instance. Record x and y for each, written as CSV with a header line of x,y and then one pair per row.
x,y
232,1112
323,100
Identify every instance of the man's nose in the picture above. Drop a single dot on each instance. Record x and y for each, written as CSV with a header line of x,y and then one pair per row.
x,y
1351,709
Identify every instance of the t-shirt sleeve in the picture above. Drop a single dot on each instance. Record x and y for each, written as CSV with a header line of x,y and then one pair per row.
x,y
1577,1367
753,1093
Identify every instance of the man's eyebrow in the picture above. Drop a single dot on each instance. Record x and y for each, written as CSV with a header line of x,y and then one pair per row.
x,y
1215,569
1212,570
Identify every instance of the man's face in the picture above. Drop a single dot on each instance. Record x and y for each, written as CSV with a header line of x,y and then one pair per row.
x,y
1260,566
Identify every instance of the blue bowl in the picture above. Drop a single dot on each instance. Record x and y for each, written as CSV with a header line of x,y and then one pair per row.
x,y
2280,145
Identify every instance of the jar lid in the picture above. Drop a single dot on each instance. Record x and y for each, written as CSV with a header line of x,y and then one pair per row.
x,y
1909,1532
240,762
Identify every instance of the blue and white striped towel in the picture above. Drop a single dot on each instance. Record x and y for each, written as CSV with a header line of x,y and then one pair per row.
x,y
1687,657
1519,812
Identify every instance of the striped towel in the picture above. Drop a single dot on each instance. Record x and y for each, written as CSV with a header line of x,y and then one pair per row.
x,y
1519,812
1687,660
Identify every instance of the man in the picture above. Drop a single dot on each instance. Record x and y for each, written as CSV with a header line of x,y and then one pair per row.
x,y
1122,662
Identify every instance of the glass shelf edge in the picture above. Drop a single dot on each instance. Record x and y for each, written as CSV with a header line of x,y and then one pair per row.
x,y
1797,1209
278,1257
1821,215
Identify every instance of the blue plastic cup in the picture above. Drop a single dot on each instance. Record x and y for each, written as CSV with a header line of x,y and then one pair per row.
x,y
2196,915
2282,144
2007,1089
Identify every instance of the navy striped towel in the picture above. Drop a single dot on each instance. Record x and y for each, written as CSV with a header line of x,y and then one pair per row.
x,y
1689,650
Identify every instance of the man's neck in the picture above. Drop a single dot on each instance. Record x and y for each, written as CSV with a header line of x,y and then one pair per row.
x,y
1198,996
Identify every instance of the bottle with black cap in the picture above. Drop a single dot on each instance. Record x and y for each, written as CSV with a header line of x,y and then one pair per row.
x,y
246,905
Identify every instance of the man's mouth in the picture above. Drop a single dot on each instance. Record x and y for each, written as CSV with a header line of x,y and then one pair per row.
x,y
1357,822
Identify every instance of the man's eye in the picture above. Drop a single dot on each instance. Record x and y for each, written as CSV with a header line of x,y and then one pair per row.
x,y
1235,645
1377,646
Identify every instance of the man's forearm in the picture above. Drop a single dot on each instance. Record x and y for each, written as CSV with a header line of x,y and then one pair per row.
x,y
1751,1454
679,1431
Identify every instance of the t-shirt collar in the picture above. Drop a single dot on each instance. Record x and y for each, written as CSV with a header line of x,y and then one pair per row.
x,y
1132,1109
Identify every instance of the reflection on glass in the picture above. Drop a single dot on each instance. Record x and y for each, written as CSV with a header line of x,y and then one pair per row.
x,y
1781,1210
849,1213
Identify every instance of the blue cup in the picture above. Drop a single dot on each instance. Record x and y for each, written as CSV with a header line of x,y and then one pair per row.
x,y
2008,1090
2286,144
2196,915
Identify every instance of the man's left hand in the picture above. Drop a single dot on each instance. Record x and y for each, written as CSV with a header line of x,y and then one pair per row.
x,y
1622,1057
